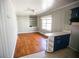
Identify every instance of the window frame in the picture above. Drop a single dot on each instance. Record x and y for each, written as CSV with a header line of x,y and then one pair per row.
x,y
46,18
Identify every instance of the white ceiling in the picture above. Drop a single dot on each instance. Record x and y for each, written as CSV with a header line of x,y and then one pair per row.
x,y
21,6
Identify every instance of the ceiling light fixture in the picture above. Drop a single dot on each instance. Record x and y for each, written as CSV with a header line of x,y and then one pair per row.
x,y
30,11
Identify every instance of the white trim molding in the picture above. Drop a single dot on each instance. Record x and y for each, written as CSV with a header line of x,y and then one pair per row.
x,y
74,49
69,6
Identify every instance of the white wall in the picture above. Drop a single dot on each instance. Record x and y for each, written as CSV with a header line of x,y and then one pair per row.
x,y
74,41
8,29
23,25
60,20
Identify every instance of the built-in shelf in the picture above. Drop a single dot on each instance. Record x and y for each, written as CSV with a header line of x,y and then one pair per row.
x,y
33,21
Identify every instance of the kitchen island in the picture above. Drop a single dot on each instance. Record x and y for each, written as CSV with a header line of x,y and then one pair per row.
x,y
57,41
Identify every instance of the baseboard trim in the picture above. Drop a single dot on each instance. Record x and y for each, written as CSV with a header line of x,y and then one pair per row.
x,y
73,49
27,32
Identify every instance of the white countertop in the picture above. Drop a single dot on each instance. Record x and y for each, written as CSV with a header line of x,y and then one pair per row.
x,y
57,33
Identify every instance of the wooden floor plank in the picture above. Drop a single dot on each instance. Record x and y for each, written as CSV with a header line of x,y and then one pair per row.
x,y
29,43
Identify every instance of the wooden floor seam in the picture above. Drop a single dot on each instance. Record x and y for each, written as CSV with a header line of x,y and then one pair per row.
x,y
29,43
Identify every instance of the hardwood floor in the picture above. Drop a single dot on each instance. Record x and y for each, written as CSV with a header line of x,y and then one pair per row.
x,y
29,43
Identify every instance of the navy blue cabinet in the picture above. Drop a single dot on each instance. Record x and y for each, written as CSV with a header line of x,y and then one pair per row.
x,y
61,41
75,12
75,15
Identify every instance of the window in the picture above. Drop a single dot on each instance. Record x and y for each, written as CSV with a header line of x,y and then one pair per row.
x,y
46,23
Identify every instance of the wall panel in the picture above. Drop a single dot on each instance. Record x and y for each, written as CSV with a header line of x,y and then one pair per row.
x,y
8,29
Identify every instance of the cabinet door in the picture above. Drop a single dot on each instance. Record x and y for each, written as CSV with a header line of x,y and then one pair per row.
x,y
78,13
58,42
61,42
75,13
